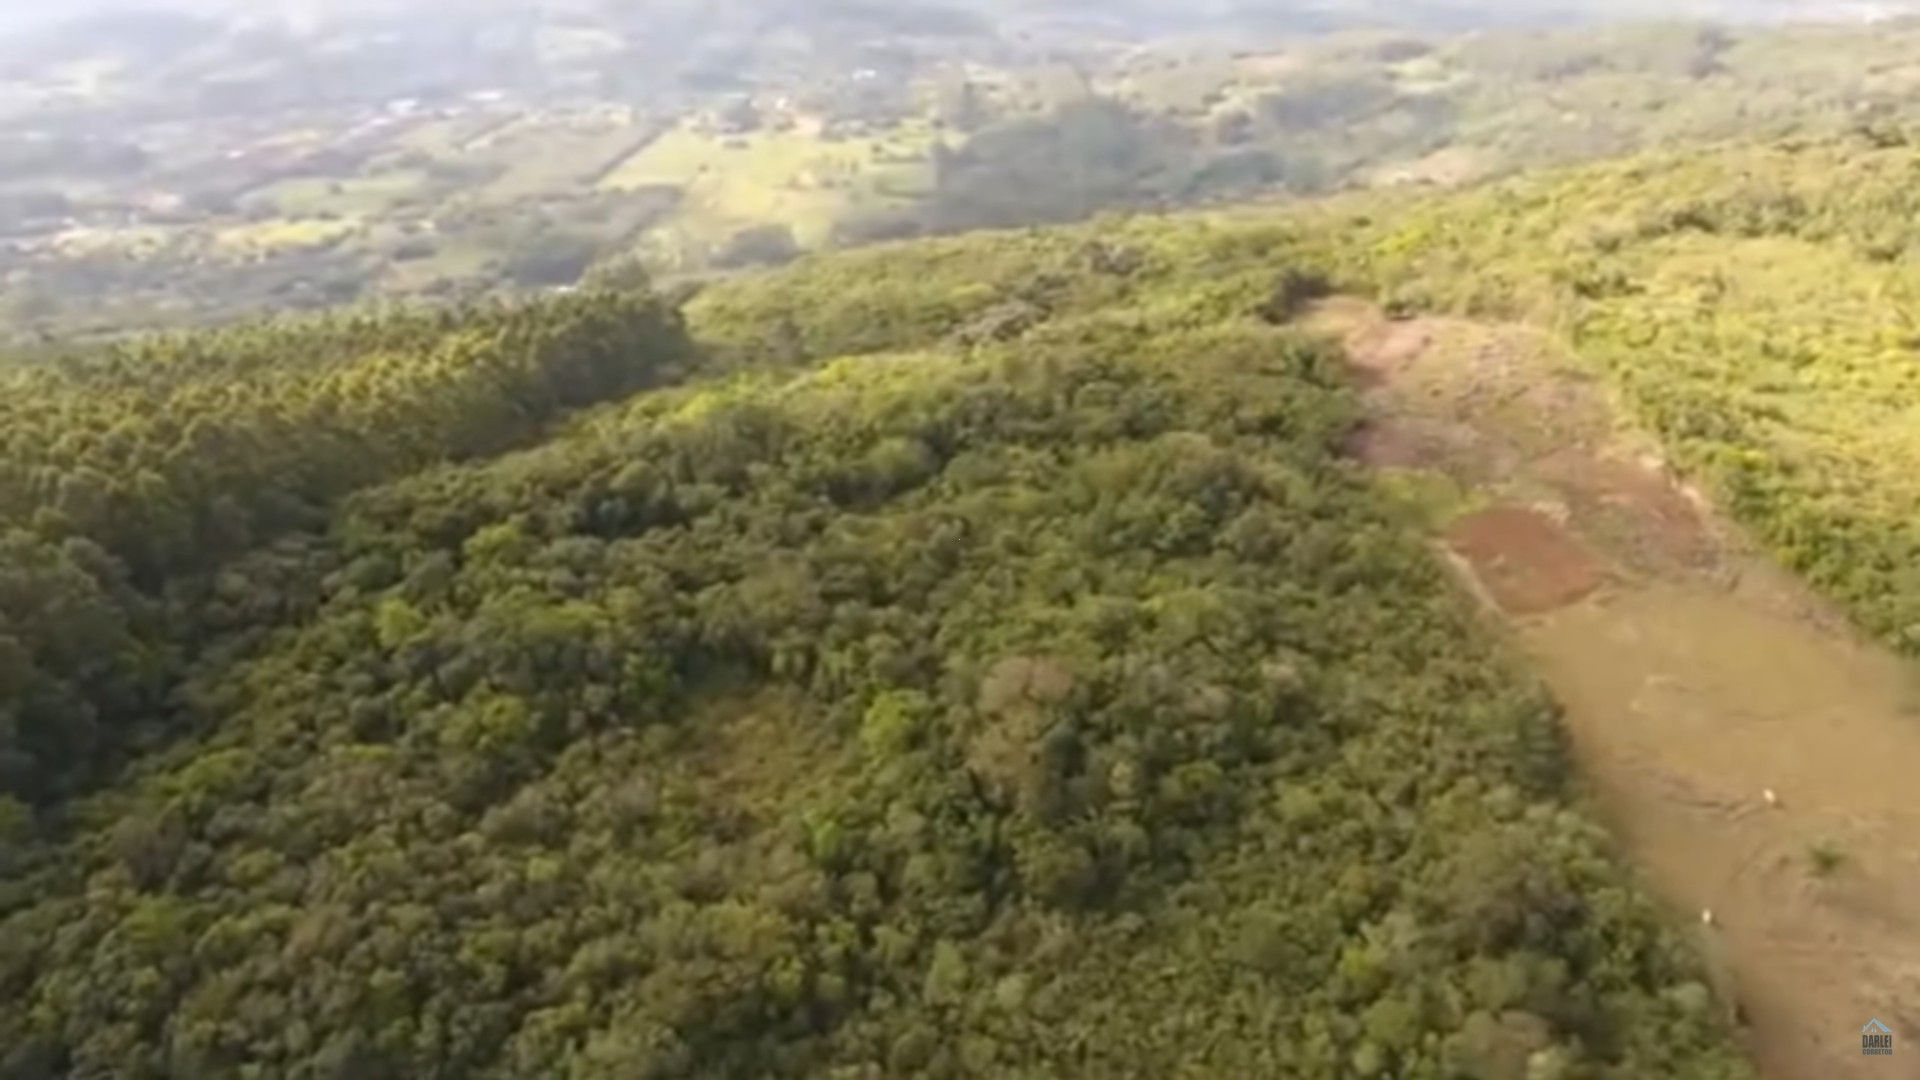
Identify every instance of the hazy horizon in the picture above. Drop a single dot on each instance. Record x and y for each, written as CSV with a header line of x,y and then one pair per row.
x,y
20,15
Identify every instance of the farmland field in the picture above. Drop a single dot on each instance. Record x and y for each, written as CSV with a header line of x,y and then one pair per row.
x,y
796,177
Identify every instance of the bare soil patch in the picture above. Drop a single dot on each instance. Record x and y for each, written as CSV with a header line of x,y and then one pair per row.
x,y
1752,754
1645,516
1400,443
1388,346
1526,562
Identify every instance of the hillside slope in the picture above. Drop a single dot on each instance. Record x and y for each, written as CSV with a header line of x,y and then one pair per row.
x,y
130,476
989,668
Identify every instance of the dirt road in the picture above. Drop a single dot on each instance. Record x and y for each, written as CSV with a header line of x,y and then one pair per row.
x,y
1756,758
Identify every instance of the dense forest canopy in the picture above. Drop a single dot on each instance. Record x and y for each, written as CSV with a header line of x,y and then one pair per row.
x,y
972,659
129,477
973,654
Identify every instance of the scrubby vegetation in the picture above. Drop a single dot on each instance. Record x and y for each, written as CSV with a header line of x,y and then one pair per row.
x,y
1752,304
982,665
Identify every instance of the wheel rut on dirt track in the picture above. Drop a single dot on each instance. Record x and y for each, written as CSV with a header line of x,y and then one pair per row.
x,y
1696,677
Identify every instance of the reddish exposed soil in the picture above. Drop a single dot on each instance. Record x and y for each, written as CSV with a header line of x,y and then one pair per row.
x,y
1524,560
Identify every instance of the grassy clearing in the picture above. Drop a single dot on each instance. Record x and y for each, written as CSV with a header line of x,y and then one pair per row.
x,y
443,138
281,234
131,242
794,177
547,154
356,197
454,259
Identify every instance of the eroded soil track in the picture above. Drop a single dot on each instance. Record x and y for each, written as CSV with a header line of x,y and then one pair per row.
x,y
1754,756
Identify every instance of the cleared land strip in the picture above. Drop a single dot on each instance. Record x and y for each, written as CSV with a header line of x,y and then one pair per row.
x,y
1754,755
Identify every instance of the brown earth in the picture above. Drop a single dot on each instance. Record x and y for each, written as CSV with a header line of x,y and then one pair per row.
x,y
1402,443
1755,757
1524,560
1384,347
